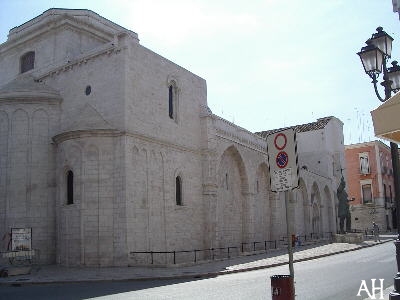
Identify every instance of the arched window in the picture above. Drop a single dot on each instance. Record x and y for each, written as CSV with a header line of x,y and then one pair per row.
x,y
27,61
178,190
173,96
70,187
171,101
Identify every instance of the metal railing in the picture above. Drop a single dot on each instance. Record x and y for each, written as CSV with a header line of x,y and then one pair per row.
x,y
196,255
20,257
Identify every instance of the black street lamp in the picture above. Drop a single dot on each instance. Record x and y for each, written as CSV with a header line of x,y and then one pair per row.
x,y
374,57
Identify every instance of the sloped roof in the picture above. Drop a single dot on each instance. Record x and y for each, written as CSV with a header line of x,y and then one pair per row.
x,y
319,124
25,87
88,118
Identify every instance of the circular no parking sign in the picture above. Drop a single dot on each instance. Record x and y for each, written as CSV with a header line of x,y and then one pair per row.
x,y
282,159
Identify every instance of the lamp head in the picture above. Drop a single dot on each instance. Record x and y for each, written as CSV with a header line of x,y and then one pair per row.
x,y
372,59
382,41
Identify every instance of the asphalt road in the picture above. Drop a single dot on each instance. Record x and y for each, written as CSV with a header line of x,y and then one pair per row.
x,y
335,277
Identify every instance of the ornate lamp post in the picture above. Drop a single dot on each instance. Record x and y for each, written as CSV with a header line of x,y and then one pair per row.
x,y
374,57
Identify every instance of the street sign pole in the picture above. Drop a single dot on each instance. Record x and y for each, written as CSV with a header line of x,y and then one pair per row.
x,y
284,174
289,234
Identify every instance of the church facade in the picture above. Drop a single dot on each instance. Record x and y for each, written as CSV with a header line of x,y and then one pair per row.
x,y
107,148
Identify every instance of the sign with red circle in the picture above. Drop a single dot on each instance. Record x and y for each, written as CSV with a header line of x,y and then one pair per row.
x,y
282,159
280,141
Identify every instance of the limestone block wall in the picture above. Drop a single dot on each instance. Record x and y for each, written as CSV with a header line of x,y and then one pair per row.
x,y
27,177
103,107
148,77
244,208
154,220
92,230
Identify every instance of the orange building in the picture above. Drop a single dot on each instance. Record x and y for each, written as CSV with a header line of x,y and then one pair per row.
x,y
370,185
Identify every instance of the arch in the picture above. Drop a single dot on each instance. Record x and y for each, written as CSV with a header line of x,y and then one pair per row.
x,y
4,157
316,219
19,160
92,204
232,211
233,152
40,152
328,210
262,205
302,209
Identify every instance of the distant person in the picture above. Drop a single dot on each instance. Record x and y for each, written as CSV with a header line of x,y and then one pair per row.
x,y
298,241
375,229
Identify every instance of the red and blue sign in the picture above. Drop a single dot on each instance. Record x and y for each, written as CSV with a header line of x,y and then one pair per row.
x,y
282,159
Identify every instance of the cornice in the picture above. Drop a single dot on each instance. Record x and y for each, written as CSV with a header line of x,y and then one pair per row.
x,y
24,98
75,134
239,135
55,19
107,49
163,142
70,135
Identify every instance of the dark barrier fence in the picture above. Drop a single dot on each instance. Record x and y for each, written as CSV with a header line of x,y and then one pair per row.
x,y
196,255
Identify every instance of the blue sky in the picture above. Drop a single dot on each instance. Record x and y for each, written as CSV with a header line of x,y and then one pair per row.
x,y
268,64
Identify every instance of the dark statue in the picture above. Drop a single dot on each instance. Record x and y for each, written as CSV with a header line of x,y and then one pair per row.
x,y
343,210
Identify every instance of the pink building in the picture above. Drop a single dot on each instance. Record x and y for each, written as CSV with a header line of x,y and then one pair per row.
x,y
370,185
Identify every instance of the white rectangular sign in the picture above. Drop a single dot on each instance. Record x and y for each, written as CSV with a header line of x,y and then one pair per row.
x,y
21,239
282,159
281,180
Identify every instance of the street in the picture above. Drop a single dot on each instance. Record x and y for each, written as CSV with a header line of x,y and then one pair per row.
x,y
333,277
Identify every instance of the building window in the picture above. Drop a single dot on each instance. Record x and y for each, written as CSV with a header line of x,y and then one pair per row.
x,y
70,187
364,163
178,190
366,193
226,181
173,100
27,61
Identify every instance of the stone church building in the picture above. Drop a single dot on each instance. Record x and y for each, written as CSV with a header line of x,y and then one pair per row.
x,y
107,148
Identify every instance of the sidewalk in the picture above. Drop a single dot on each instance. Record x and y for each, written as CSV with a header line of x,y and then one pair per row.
x,y
60,274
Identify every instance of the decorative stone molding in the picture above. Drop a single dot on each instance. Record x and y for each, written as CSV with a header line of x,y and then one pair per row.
x,y
234,133
54,19
56,69
59,138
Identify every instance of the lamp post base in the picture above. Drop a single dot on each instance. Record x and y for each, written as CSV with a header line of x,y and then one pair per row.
x,y
394,296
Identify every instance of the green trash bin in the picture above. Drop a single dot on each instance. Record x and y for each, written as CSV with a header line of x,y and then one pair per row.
x,y
282,287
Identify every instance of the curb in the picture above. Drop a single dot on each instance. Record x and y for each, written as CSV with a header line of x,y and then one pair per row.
x,y
193,275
